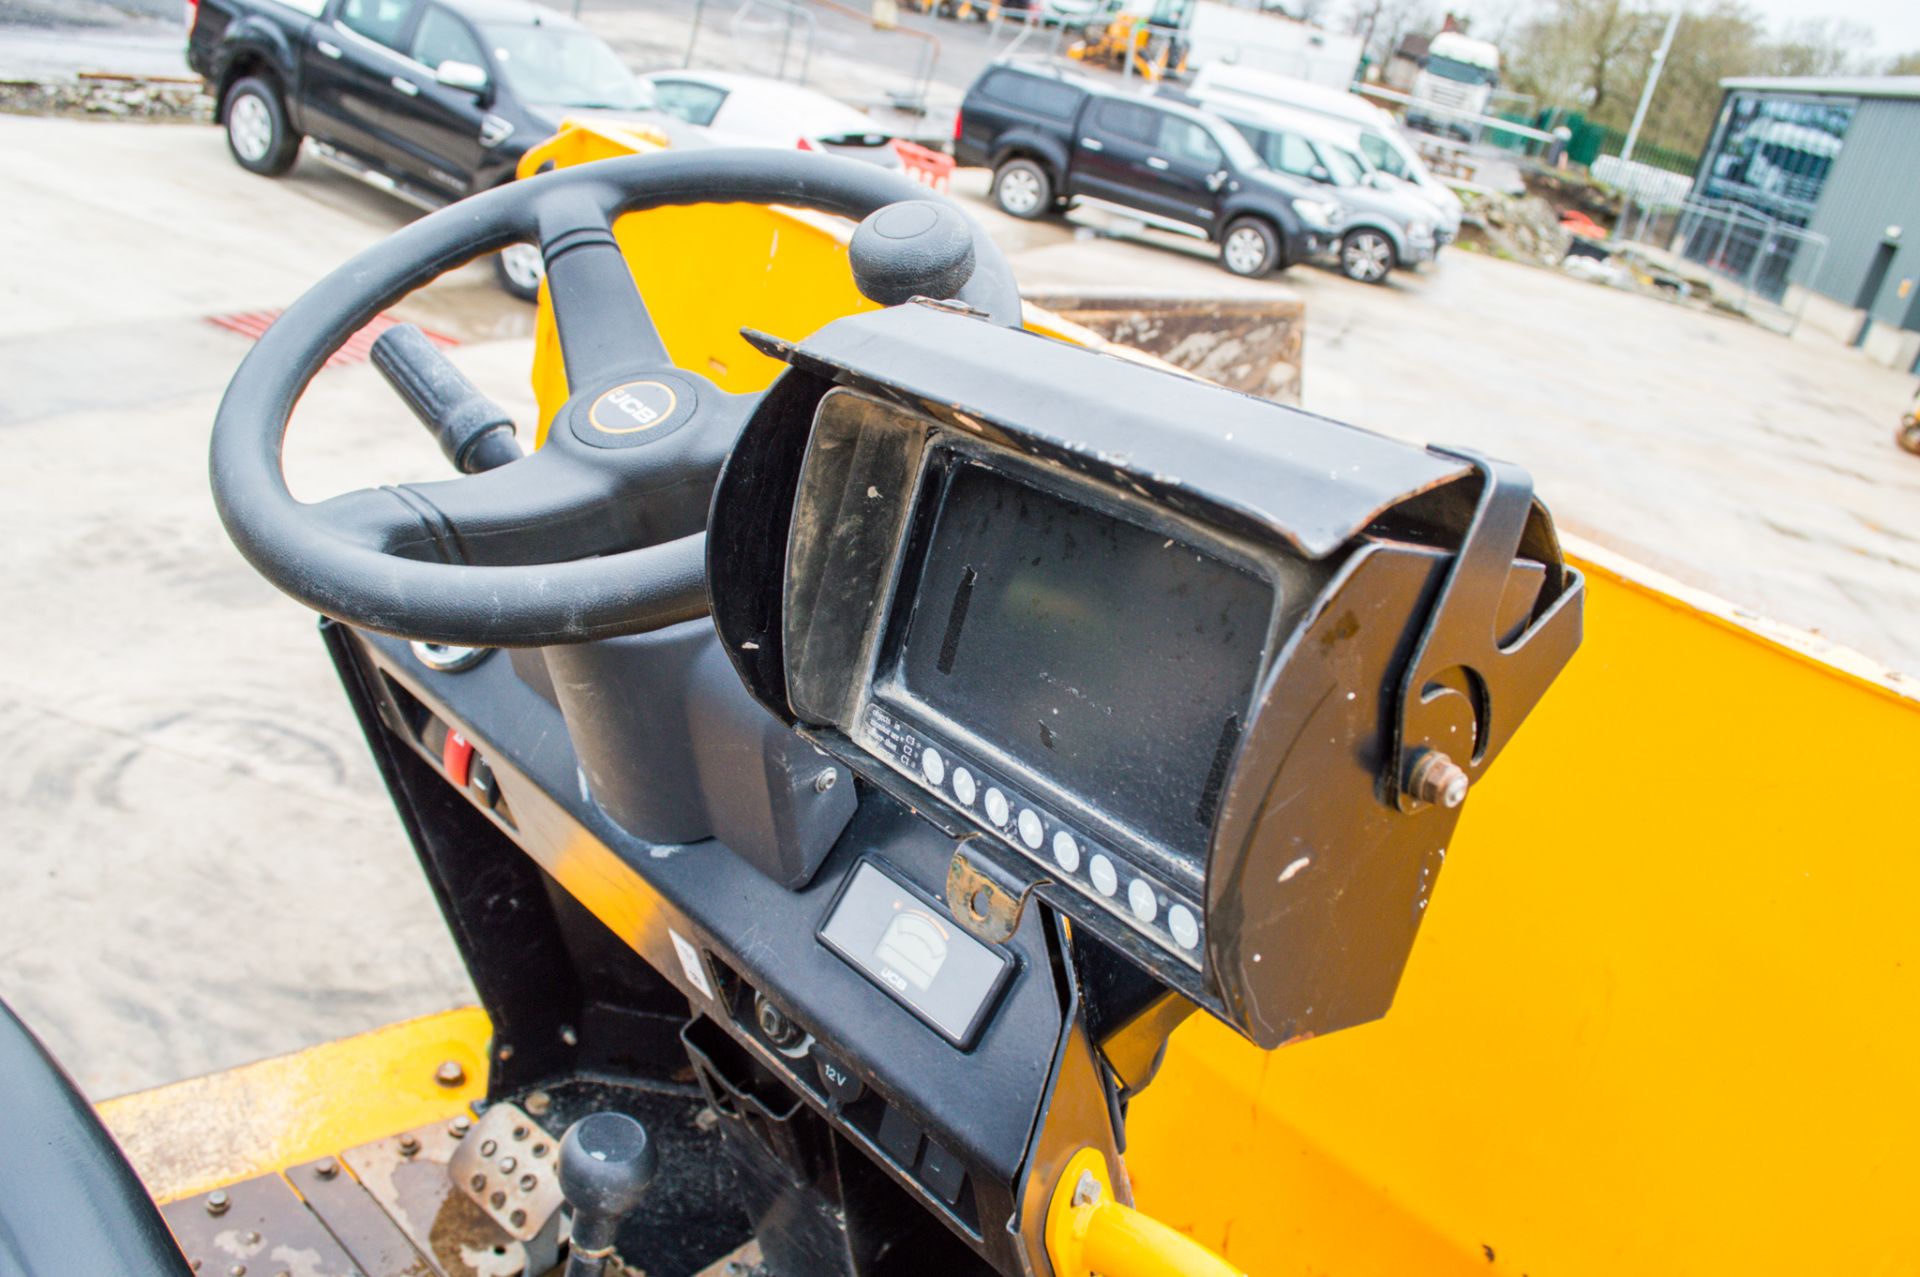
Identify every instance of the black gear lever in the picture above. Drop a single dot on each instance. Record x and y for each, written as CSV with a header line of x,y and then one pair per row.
x,y
606,1163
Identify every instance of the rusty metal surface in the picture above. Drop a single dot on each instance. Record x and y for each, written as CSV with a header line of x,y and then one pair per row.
x,y
356,1221
407,1175
508,1165
257,1228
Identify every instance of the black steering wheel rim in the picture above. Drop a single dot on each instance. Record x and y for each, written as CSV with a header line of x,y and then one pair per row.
x,y
514,604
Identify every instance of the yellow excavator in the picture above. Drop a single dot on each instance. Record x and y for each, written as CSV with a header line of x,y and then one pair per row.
x,y
919,790
1152,45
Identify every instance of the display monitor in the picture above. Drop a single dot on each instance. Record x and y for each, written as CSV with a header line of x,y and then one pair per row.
x,y
1113,660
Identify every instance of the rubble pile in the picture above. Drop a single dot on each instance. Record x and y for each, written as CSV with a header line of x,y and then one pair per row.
x,y
1526,229
109,97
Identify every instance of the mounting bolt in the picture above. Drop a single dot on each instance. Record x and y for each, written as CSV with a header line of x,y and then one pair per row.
x,y
218,1202
450,1073
539,1103
826,780
1087,1191
409,1145
459,1127
1435,778
327,1169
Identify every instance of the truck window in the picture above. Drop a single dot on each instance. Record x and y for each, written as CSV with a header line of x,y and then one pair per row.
x,y
1290,153
1133,122
1030,93
1382,156
687,100
381,21
1187,141
441,37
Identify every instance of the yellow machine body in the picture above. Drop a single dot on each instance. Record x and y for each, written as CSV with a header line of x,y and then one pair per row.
x,y
1663,1016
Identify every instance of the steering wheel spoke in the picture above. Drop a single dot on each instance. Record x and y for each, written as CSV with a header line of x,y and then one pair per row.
x,y
600,532
550,507
605,330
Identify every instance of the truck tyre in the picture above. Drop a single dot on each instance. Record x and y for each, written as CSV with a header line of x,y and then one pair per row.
x,y
519,268
1250,248
1022,189
1366,256
257,130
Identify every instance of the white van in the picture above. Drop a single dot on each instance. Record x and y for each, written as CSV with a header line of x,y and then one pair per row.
x,y
1381,142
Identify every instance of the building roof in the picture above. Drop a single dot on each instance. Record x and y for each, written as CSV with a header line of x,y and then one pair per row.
x,y
1413,46
1853,86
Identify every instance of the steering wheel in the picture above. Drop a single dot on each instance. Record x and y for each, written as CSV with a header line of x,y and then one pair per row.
x,y
600,532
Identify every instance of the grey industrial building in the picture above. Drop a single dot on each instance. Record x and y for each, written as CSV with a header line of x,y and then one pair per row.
x,y
1839,157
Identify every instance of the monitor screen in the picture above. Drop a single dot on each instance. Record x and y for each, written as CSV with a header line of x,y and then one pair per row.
x,y
1114,660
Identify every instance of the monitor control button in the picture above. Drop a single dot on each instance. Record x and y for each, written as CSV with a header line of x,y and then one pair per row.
x,y
963,786
1031,832
1140,900
932,766
1186,932
996,806
1105,880
1066,852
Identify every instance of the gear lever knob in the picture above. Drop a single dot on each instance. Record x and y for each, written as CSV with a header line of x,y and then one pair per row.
x,y
606,1163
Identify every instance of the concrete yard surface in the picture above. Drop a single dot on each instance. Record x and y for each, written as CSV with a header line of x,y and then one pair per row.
x,y
202,867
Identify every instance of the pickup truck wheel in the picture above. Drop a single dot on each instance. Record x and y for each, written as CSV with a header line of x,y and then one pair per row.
x,y
1250,248
519,268
1022,189
1366,256
257,131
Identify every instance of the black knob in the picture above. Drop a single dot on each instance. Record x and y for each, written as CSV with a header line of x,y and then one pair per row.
x,y
606,1163
916,248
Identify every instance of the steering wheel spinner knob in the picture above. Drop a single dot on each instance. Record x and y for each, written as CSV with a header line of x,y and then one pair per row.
x,y
915,248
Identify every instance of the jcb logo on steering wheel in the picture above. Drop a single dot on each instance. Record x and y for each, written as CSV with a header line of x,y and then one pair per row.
x,y
633,407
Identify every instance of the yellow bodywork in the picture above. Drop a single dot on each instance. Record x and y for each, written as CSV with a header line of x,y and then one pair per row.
x,y
1664,1015
1662,1018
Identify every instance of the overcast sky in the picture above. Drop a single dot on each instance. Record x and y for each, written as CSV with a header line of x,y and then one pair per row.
x,y
1895,23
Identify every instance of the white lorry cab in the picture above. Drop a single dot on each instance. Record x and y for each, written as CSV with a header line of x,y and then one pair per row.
x,y
1455,82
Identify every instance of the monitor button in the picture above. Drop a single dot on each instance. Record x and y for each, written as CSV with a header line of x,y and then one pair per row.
x,y
1186,932
996,806
963,786
1031,832
1066,852
1105,880
1140,900
932,766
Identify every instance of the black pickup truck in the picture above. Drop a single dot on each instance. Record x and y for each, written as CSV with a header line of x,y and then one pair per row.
x,y
1054,140
428,99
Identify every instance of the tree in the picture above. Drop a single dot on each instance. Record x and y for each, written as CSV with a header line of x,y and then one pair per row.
x,y
1823,46
1905,64
1381,23
1591,54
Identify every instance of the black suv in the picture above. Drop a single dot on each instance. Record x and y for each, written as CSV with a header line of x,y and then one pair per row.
x,y
1055,139
428,99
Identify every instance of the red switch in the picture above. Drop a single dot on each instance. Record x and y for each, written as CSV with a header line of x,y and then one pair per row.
x,y
457,757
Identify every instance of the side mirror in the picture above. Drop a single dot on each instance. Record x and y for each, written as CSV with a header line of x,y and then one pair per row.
x,y
1216,180
1380,181
462,75
1320,174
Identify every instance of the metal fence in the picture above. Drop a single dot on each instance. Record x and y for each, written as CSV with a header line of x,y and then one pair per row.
x,y
1759,265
